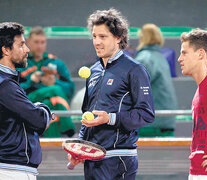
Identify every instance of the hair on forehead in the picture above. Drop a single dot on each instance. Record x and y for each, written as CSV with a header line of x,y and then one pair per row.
x,y
197,38
114,21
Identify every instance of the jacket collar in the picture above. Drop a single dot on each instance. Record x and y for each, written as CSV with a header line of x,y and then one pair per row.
x,y
8,70
117,55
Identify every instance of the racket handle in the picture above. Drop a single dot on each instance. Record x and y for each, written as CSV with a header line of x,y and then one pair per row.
x,y
70,166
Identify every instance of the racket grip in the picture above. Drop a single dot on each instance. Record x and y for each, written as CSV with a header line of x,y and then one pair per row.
x,y
70,166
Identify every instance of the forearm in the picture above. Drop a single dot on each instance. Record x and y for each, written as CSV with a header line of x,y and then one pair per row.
x,y
14,99
133,119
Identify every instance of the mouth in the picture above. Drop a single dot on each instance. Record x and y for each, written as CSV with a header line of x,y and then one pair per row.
x,y
181,66
25,58
99,49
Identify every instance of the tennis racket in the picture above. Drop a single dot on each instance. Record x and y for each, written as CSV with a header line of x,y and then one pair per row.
x,y
83,150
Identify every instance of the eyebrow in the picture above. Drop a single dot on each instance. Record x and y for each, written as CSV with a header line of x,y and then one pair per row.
x,y
22,42
99,34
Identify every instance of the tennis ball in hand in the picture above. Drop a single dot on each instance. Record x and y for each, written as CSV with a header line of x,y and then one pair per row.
x,y
88,116
84,72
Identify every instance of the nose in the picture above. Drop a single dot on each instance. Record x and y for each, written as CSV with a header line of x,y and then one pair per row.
x,y
96,41
179,58
27,50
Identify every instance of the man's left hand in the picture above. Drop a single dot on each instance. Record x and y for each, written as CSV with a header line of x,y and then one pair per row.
x,y
204,163
103,117
48,80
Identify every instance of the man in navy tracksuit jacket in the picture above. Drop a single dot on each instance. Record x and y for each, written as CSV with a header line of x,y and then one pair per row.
x,y
118,93
21,121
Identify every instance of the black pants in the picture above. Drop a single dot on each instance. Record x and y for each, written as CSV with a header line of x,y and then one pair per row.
x,y
114,168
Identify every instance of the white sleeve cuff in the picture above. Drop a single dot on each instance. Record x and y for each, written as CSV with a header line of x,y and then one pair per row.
x,y
112,119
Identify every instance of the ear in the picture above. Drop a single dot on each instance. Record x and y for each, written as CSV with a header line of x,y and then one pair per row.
x,y
6,51
118,40
201,54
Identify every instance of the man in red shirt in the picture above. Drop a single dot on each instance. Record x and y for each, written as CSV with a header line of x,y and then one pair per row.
x,y
193,62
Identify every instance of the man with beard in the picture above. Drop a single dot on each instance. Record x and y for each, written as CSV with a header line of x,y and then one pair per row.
x,y
21,121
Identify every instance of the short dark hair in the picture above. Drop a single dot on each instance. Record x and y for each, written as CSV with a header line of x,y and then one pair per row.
x,y
197,38
115,22
8,31
38,30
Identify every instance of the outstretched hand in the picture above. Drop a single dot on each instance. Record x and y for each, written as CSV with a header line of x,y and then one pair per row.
x,y
103,117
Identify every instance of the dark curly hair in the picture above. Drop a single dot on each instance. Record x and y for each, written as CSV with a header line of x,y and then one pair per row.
x,y
197,38
8,30
114,20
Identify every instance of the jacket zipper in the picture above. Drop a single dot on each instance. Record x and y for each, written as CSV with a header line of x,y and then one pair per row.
x,y
97,95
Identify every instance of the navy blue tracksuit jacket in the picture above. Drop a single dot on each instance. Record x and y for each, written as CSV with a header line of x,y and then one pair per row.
x,y
21,123
123,88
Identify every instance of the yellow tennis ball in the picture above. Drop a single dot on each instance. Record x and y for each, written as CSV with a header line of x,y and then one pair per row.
x,y
84,72
88,116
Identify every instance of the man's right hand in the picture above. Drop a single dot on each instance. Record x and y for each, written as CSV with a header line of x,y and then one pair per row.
x,y
74,161
36,76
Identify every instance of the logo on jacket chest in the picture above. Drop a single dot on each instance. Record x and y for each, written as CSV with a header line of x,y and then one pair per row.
x,y
110,82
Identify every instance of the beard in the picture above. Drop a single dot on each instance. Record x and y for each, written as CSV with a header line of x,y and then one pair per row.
x,y
21,64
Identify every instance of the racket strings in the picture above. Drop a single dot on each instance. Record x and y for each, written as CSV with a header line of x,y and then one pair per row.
x,y
83,150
